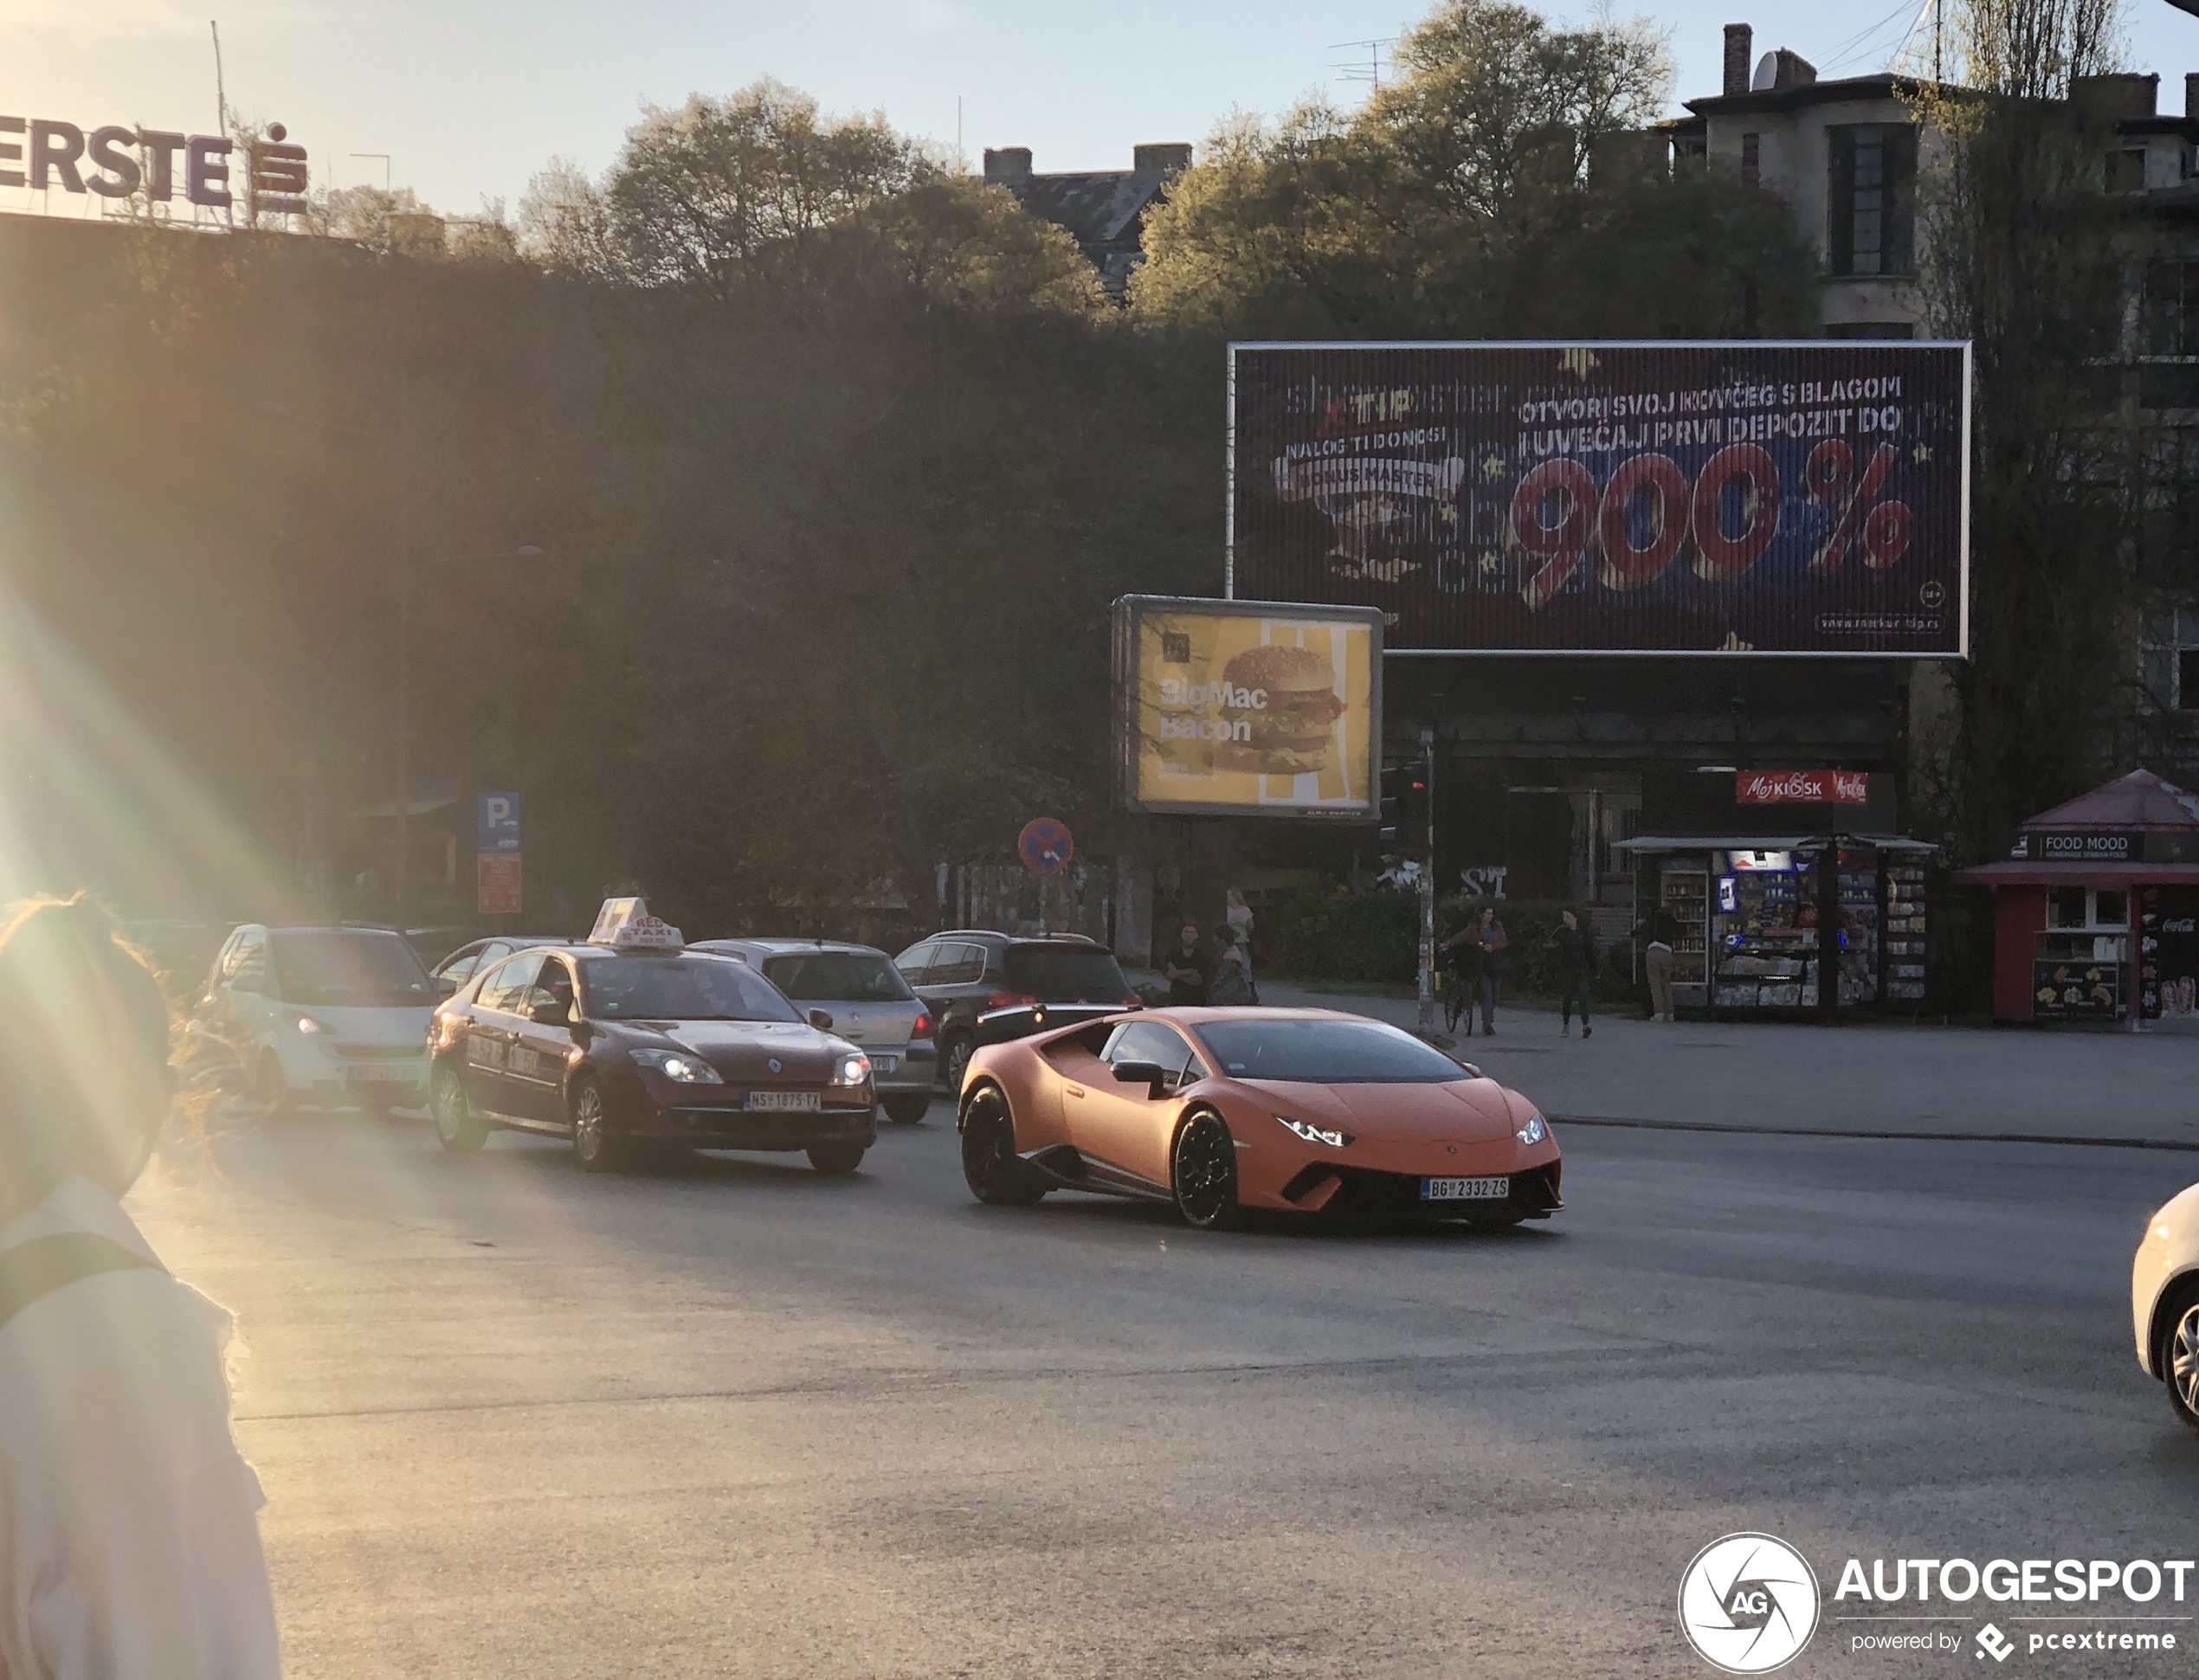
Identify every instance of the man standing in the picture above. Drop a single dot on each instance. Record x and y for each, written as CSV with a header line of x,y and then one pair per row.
x,y
1661,930
1186,972
1575,970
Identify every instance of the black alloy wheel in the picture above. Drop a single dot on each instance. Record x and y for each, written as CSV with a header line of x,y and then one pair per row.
x,y
1204,1173
458,1122
954,1062
595,1148
836,1160
994,1173
2179,1361
906,1108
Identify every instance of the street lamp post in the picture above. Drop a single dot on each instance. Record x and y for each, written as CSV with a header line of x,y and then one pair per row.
x,y
525,551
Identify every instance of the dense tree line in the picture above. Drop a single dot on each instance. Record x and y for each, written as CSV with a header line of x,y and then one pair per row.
x,y
837,455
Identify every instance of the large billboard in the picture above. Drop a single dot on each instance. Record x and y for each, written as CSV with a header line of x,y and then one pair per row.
x,y
1247,708
1746,498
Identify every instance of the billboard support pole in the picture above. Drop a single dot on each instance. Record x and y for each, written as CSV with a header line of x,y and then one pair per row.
x,y
1229,479
1428,895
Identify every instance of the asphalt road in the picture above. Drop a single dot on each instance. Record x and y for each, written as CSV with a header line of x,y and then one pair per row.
x,y
726,1417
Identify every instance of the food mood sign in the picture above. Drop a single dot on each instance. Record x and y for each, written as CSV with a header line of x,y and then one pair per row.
x,y
1744,497
1247,708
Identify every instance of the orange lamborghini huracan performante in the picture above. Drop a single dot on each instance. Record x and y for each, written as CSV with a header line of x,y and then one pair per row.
x,y
1221,1110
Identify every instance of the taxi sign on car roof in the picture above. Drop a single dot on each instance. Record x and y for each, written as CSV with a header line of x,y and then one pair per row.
x,y
626,923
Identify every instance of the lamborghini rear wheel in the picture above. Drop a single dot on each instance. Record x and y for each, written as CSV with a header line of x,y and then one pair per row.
x,y
1204,1171
996,1174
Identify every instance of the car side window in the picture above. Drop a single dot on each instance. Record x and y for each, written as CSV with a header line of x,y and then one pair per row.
x,y
506,989
958,965
459,969
247,962
1150,1041
553,985
914,962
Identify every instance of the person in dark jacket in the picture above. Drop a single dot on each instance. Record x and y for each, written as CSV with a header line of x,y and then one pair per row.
x,y
1576,971
1660,932
1189,970
1465,956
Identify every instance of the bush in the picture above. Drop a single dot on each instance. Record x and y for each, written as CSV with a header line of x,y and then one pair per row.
x,y
1324,931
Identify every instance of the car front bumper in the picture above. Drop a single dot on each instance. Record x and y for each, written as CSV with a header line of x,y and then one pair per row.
x,y
720,1126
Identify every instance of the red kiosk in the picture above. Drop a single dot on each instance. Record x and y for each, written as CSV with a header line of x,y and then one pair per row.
x,y
2097,906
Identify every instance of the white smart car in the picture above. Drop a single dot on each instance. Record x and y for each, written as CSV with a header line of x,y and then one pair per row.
x,y
2165,1302
332,1016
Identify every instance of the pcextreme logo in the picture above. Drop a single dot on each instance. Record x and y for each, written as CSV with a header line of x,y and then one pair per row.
x,y
1748,1603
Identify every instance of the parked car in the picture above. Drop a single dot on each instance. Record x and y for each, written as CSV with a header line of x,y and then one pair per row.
x,y
482,955
985,988
2165,1303
333,1016
871,1006
614,1047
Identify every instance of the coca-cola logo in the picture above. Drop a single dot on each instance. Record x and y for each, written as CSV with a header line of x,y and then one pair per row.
x,y
1801,787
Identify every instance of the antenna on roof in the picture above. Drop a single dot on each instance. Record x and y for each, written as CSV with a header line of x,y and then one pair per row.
x,y
1369,69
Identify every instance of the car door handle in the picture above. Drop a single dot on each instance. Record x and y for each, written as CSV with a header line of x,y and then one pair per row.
x,y
1075,1091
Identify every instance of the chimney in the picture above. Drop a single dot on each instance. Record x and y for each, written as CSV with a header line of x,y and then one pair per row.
x,y
2190,97
1008,166
1171,159
1792,70
1738,39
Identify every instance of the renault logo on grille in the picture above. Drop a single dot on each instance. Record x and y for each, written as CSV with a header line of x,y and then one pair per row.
x,y
774,1064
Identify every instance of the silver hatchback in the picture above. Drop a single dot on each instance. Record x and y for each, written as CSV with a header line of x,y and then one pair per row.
x,y
870,1004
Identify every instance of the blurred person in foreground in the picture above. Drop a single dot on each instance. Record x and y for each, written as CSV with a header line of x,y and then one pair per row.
x,y
129,1528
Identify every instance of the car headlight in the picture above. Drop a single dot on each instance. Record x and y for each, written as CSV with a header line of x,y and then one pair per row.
x,y
680,1065
1312,1133
1534,1131
851,1071
308,1024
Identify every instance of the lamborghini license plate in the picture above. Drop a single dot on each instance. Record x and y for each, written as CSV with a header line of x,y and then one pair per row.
x,y
782,1102
1465,1189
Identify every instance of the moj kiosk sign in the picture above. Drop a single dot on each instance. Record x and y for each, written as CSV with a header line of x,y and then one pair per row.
x,y
1748,497
117,160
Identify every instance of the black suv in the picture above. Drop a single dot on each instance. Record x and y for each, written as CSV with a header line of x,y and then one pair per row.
x,y
985,988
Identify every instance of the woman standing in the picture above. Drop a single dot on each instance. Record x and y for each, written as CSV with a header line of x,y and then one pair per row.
x,y
129,1534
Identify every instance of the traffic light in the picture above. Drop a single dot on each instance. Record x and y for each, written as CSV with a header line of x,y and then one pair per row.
x,y
1405,807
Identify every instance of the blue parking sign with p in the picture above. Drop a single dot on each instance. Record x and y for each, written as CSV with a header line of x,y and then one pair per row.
x,y
499,822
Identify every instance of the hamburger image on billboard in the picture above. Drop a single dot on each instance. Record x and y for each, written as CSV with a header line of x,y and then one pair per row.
x,y
1248,707
1281,707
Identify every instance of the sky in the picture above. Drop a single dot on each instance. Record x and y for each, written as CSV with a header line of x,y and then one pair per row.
x,y
468,98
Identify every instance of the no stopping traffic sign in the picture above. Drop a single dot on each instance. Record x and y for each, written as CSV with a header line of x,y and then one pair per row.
x,y
1045,845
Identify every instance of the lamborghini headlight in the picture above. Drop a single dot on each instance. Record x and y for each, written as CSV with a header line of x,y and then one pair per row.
x,y
1312,1133
1534,1131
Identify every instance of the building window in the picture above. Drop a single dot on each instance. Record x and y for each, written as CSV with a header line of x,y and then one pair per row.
x,y
1870,205
2126,168
2169,336
1751,155
2187,679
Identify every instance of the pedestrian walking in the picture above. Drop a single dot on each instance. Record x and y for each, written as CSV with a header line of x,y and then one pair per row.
x,y
1188,971
1575,949
129,1528
1498,944
1660,929
1464,955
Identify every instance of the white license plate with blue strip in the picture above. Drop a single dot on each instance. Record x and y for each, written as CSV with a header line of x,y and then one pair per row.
x,y
1465,1189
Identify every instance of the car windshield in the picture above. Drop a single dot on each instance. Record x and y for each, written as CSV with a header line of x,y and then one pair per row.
x,y
1065,973
678,988
1341,1052
337,970
837,977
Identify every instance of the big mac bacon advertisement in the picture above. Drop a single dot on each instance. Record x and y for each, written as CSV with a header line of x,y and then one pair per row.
x,y
1732,498
1247,708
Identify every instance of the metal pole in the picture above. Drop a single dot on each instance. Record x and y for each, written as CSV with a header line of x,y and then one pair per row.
x,y
1428,894
404,730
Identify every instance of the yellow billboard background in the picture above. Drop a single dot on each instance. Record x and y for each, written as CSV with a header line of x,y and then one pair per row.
x,y
1189,713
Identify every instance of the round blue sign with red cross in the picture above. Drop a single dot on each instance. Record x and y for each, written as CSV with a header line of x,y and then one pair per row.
x,y
1045,845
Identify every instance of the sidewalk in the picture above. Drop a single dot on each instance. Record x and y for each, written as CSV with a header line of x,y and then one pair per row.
x,y
1905,1080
